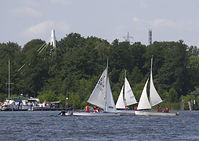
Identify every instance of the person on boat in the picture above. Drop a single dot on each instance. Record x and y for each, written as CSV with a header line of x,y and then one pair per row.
x,y
87,108
166,110
96,110
135,108
91,109
126,108
159,109
62,113
69,109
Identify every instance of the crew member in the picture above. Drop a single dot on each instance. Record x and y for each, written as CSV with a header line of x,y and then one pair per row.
x,y
159,109
62,113
166,110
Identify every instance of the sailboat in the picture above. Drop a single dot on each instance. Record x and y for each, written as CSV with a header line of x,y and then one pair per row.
x,y
146,104
101,97
126,98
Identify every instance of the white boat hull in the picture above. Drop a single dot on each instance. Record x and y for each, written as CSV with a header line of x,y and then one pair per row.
x,y
92,114
125,112
151,113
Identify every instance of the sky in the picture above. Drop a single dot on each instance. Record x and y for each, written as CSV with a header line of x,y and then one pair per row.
x,y
170,20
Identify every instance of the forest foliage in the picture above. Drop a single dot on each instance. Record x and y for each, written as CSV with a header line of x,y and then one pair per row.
x,y
74,67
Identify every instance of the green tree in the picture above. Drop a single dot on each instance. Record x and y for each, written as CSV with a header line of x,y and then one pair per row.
x,y
172,95
48,95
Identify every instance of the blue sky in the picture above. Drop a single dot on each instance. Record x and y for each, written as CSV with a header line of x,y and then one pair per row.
x,y
170,20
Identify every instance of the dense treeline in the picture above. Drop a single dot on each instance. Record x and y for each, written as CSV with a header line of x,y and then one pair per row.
x,y
73,69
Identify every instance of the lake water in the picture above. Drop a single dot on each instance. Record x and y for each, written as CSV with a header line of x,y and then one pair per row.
x,y
46,125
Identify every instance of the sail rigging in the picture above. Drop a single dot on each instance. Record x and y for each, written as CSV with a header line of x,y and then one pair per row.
x,y
98,95
154,97
126,96
120,102
102,94
110,104
144,101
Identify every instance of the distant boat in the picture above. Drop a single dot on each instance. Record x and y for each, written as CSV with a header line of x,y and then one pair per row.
x,y
126,98
155,99
101,97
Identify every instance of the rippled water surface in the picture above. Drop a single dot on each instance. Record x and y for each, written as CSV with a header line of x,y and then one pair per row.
x,y
45,125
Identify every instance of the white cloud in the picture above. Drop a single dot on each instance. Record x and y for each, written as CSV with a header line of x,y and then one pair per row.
x,y
141,21
142,4
159,23
65,2
45,27
181,25
31,3
45,3
136,19
26,11
190,25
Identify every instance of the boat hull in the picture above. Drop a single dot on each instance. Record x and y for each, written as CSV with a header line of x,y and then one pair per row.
x,y
151,113
91,114
125,112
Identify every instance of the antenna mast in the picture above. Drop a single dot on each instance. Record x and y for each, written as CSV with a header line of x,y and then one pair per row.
x,y
150,37
128,38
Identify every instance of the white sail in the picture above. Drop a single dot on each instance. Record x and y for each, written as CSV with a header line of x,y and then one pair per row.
x,y
120,102
154,96
98,95
129,97
110,104
144,101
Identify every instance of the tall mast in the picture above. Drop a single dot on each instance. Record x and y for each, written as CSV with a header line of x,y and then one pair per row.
x,y
125,73
9,78
124,87
151,63
106,85
151,72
